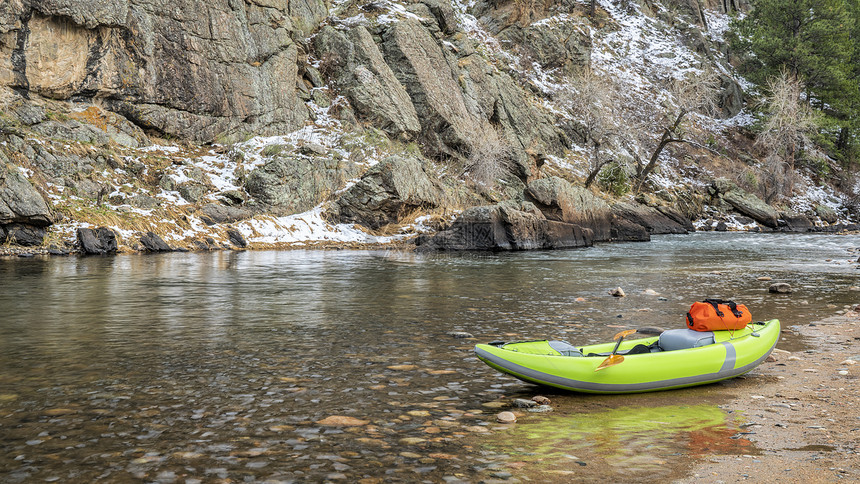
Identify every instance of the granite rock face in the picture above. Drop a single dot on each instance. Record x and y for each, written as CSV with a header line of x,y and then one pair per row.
x,y
192,69
559,200
369,82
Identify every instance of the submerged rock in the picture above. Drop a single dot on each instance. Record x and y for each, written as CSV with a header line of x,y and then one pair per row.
x,y
342,421
780,288
506,417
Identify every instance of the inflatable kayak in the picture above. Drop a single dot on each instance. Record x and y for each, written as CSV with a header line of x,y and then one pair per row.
x,y
676,358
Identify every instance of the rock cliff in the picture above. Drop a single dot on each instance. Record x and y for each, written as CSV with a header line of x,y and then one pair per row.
x,y
227,123
192,69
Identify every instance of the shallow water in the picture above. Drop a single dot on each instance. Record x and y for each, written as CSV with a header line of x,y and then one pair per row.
x,y
185,367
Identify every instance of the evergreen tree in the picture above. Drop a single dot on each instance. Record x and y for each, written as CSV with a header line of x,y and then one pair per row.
x,y
816,43
810,39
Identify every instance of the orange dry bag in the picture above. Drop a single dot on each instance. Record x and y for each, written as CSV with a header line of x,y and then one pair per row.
x,y
717,315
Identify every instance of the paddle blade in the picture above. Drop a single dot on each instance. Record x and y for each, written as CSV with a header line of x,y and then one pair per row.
x,y
611,361
624,334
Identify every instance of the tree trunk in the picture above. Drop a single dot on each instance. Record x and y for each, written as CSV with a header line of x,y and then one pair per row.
x,y
666,139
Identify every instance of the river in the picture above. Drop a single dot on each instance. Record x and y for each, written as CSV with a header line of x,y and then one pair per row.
x,y
312,366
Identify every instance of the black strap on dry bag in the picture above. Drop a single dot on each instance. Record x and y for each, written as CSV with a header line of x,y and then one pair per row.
x,y
731,304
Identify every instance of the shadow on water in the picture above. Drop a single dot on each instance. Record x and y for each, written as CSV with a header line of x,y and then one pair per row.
x,y
227,365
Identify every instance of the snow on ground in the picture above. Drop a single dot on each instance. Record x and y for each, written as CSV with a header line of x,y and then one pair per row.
x,y
811,195
306,227
643,50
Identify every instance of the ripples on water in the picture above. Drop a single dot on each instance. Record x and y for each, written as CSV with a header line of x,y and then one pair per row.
x,y
181,367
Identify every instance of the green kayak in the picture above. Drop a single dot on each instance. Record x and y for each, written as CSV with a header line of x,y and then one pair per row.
x,y
676,358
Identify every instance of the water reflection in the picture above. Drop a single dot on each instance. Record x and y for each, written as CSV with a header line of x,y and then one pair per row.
x,y
143,367
630,444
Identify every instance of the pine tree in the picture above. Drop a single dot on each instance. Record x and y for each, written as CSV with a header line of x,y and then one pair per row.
x,y
816,43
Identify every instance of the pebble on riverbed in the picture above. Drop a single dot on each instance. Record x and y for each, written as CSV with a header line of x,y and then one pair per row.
x,y
342,421
523,403
460,334
506,417
617,292
780,288
540,409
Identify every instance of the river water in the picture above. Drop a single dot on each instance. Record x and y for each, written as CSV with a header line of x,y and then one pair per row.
x,y
312,366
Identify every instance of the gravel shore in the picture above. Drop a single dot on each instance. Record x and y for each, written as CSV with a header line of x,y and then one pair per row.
x,y
802,412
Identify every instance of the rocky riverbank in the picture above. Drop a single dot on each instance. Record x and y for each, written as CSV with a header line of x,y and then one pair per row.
x,y
801,411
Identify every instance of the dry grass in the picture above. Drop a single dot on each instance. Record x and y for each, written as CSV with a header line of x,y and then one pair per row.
x,y
490,159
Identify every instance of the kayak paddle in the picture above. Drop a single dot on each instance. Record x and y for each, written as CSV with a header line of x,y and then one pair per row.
x,y
614,359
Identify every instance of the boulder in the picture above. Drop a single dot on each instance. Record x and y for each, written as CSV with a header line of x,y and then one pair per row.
x,y
623,230
652,219
795,222
20,202
193,191
746,203
23,234
215,213
292,183
388,190
236,238
144,201
677,216
507,226
826,214
561,201
780,288
98,241
153,243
